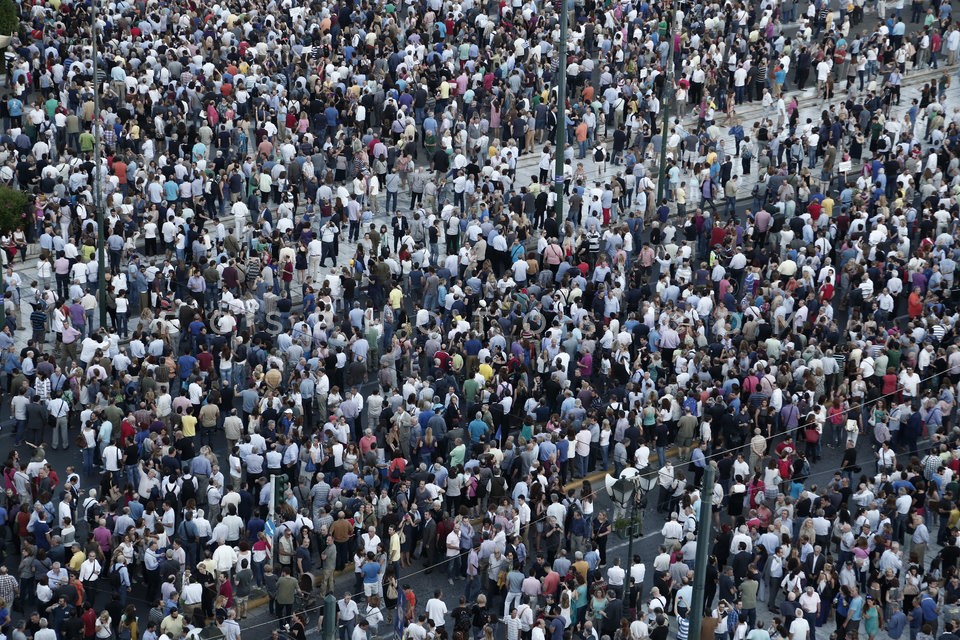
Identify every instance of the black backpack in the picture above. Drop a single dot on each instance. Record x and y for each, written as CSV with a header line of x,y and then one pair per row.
x,y
188,491
93,512
463,619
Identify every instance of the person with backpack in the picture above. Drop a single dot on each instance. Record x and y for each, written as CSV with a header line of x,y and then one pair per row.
x,y
120,578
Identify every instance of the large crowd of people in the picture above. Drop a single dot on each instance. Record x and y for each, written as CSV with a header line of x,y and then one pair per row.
x,y
333,255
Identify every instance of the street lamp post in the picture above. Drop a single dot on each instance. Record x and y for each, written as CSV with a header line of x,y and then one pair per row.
x,y
704,534
561,109
97,178
664,132
627,492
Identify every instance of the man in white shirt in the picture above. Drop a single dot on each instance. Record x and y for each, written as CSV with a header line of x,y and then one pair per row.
x,y
436,608
810,604
452,544
191,596
616,577
44,632
224,558
416,630
672,531
642,457
90,570
799,628
230,627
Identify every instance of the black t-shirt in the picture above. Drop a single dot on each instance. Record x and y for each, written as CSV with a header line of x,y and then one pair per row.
x,y
72,628
185,447
132,455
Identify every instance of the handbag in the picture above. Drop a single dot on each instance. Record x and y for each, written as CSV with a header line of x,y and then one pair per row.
x,y
80,441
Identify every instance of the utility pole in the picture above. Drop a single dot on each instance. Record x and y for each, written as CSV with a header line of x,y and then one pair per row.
x,y
97,178
666,101
561,140
704,535
664,132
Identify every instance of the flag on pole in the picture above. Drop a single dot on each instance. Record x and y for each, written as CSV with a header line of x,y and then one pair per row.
x,y
499,435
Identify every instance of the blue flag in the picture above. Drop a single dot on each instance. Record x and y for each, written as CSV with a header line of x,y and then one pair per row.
x,y
499,435
401,623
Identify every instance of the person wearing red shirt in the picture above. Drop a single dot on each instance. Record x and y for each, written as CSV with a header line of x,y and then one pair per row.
x,y
915,304
226,590
89,618
368,442
205,360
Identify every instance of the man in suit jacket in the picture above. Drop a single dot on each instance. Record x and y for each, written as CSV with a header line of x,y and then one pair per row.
x,y
814,564
429,536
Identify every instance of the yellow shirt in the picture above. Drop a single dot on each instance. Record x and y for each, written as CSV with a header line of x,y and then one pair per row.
x,y
486,371
396,298
189,426
826,206
76,560
954,518
444,90
395,547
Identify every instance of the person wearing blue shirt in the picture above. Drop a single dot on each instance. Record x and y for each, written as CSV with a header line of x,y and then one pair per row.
x,y
185,364
370,570
477,428
855,611
41,532
896,623
547,449
171,191
930,611
429,124
15,110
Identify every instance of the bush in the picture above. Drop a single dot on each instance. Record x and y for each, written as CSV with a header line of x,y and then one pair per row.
x,y
13,208
9,18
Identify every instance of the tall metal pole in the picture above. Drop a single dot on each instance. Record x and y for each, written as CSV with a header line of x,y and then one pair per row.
x,y
664,131
631,531
561,140
665,125
703,542
97,196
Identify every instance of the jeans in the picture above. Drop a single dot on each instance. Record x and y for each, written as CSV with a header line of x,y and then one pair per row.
x,y
512,600
88,457
453,564
471,586
583,463
258,574
132,474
